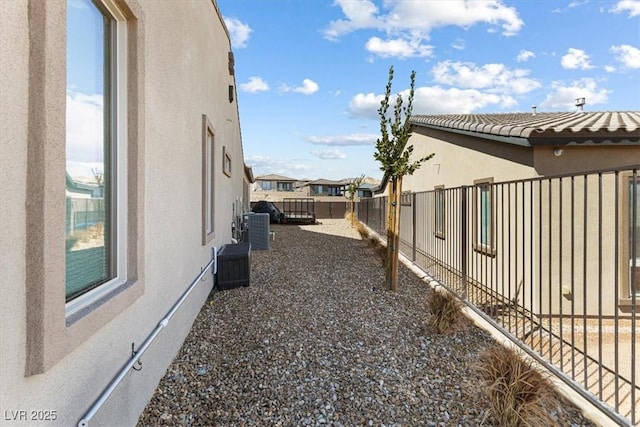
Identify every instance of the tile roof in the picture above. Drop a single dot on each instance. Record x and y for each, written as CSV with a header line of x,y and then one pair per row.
x,y
274,177
541,128
326,182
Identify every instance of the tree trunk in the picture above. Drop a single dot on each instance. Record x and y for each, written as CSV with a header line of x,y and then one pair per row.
x,y
396,237
393,233
353,219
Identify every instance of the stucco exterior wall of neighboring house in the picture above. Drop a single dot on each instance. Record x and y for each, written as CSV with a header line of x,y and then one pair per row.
x,y
460,159
176,71
518,266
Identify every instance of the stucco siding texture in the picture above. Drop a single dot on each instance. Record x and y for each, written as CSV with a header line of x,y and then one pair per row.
x,y
14,86
180,72
459,160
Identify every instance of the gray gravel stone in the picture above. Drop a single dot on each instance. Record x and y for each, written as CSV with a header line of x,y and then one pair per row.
x,y
317,340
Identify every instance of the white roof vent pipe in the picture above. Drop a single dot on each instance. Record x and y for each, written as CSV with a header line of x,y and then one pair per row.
x,y
580,104
533,109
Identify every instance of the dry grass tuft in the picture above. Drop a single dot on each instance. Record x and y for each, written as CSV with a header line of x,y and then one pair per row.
x,y
362,230
350,216
446,311
92,236
379,249
518,393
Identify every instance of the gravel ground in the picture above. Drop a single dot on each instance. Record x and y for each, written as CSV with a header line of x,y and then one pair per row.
x,y
316,339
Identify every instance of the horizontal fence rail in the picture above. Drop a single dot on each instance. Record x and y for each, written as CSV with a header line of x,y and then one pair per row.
x,y
554,262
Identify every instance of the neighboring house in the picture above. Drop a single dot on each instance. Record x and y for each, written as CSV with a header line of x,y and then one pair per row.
x,y
366,190
325,187
77,189
275,183
544,229
78,301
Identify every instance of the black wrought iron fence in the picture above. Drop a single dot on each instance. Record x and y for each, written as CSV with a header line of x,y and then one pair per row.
x,y
554,262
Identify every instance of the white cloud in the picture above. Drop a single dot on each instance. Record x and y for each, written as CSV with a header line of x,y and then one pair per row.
x,y
365,105
437,100
525,55
493,77
408,23
343,140
576,59
473,87
308,87
627,55
330,154
609,68
434,100
85,143
255,84
577,3
239,32
264,165
458,44
563,96
572,5
398,48
360,15
631,6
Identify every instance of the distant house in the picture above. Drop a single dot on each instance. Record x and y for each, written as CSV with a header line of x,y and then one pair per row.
x,y
89,275
80,189
573,214
274,183
366,190
325,187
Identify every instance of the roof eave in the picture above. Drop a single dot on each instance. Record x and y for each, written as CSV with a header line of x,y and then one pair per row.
x,y
523,142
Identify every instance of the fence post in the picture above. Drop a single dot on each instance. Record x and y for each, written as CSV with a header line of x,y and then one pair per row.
x,y
464,242
413,229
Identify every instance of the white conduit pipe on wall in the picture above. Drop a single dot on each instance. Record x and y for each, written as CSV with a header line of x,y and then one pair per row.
x,y
84,422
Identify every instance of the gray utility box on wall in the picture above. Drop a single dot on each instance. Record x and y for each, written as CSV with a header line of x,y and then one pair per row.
x,y
257,229
234,266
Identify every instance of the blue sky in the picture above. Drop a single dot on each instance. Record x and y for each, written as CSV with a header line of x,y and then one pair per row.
x,y
85,90
311,73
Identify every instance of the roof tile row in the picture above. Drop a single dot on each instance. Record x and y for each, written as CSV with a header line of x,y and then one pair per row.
x,y
541,125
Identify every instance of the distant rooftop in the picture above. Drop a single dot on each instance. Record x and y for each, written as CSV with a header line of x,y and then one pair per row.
x,y
274,177
542,128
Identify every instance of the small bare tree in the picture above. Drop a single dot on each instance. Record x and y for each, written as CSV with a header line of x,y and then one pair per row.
x,y
393,153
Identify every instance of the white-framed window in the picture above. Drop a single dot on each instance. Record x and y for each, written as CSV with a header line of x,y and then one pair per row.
x,y
266,185
208,176
484,217
96,152
439,212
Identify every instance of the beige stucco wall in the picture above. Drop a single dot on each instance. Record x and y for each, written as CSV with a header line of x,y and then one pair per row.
x,y
459,160
178,72
577,158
